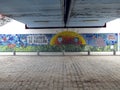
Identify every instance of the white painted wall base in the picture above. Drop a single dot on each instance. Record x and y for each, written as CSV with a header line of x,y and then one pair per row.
x,y
26,53
101,53
51,53
58,53
76,53
6,53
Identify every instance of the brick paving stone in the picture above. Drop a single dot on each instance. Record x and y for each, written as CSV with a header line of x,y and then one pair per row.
x,y
59,73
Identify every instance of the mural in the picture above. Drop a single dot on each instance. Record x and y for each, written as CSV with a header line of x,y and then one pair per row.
x,y
102,42
67,37
67,40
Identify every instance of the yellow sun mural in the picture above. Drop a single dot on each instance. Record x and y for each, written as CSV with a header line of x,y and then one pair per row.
x,y
67,37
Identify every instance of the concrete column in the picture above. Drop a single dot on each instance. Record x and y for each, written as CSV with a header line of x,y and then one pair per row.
x,y
14,53
88,52
114,52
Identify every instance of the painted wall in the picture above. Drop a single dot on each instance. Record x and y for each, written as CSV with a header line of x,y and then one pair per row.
x,y
14,36
67,40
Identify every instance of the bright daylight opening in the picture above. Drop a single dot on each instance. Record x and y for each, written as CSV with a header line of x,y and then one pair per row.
x,y
114,25
9,25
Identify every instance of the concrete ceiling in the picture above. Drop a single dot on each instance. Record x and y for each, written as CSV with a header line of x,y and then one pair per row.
x,y
61,13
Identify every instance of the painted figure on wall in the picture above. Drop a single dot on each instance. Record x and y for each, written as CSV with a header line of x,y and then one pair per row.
x,y
67,37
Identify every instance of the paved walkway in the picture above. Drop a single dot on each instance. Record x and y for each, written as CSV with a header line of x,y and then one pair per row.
x,y
60,73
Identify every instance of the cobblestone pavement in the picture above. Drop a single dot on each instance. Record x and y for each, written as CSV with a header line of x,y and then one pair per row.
x,y
59,72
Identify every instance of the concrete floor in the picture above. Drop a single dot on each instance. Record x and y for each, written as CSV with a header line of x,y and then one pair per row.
x,y
59,72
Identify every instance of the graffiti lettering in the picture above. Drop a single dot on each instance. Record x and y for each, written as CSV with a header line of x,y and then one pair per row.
x,y
37,39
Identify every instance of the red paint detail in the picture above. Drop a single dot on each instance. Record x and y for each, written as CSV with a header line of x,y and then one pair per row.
x,y
4,39
67,40
11,45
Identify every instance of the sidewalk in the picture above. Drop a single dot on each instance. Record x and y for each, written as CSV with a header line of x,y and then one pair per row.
x,y
60,73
